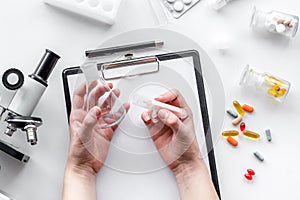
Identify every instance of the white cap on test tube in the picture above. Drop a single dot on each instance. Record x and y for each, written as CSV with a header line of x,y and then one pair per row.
x,y
152,104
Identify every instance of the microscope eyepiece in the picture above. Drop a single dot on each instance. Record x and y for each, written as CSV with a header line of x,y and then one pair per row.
x,y
45,67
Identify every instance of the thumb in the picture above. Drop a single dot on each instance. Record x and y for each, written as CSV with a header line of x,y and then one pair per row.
x,y
169,119
89,122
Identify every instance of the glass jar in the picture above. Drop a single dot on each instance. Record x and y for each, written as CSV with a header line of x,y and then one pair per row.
x,y
275,22
272,86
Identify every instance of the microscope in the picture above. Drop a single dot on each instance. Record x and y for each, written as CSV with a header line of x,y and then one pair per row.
x,y
19,95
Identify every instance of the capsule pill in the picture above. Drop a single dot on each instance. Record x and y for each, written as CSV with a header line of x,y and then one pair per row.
x,y
251,172
238,108
232,141
232,113
230,133
268,134
248,108
248,178
242,126
258,156
237,120
251,134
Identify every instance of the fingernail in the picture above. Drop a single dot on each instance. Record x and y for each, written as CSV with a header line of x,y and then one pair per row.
x,y
163,114
147,117
97,112
159,97
154,116
184,114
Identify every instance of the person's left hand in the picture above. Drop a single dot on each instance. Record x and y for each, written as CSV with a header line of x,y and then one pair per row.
x,y
89,143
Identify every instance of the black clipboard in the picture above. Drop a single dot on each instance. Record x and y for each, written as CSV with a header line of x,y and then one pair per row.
x,y
201,95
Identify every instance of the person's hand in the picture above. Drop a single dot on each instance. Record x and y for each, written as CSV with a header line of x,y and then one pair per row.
x,y
173,135
89,143
175,139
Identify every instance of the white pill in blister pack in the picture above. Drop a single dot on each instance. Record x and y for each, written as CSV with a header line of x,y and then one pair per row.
x,y
100,10
187,2
178,7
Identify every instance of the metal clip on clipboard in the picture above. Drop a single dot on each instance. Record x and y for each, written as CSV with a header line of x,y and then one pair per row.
x,y
130,66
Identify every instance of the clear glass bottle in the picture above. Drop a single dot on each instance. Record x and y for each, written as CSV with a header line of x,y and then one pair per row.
x,y
275,22
272,86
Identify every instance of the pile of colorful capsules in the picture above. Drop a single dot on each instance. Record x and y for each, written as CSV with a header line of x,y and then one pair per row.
x,y
238,121
231,135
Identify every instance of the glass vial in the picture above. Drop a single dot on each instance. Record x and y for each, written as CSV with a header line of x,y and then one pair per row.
x,y
275,22
272,86
99,94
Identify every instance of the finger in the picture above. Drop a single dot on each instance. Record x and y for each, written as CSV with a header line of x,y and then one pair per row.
x,y
126,106
79,94
78,97
96,93
169,119
92,85
88,124
146,118
116,92
119,114
111,99
173,97
156,130
154,117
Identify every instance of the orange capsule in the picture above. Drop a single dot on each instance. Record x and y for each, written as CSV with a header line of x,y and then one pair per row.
x,y
248,108
232,141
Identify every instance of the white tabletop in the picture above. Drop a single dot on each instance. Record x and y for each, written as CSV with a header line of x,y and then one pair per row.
x,y
28,27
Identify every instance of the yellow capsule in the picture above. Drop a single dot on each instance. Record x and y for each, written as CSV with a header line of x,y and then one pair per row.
x,y
230,133
281,92
251,134
273,93
277,93
238,108
277,88
271,80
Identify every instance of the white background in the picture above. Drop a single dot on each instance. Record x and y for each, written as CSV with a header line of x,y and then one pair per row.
x,y
28,27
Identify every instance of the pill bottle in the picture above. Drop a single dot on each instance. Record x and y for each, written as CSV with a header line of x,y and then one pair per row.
x,y
272,86
275,22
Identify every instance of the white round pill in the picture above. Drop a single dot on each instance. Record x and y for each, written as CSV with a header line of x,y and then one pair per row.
x,y
187,2
93,3
280,28
178,6
107,5
171,1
